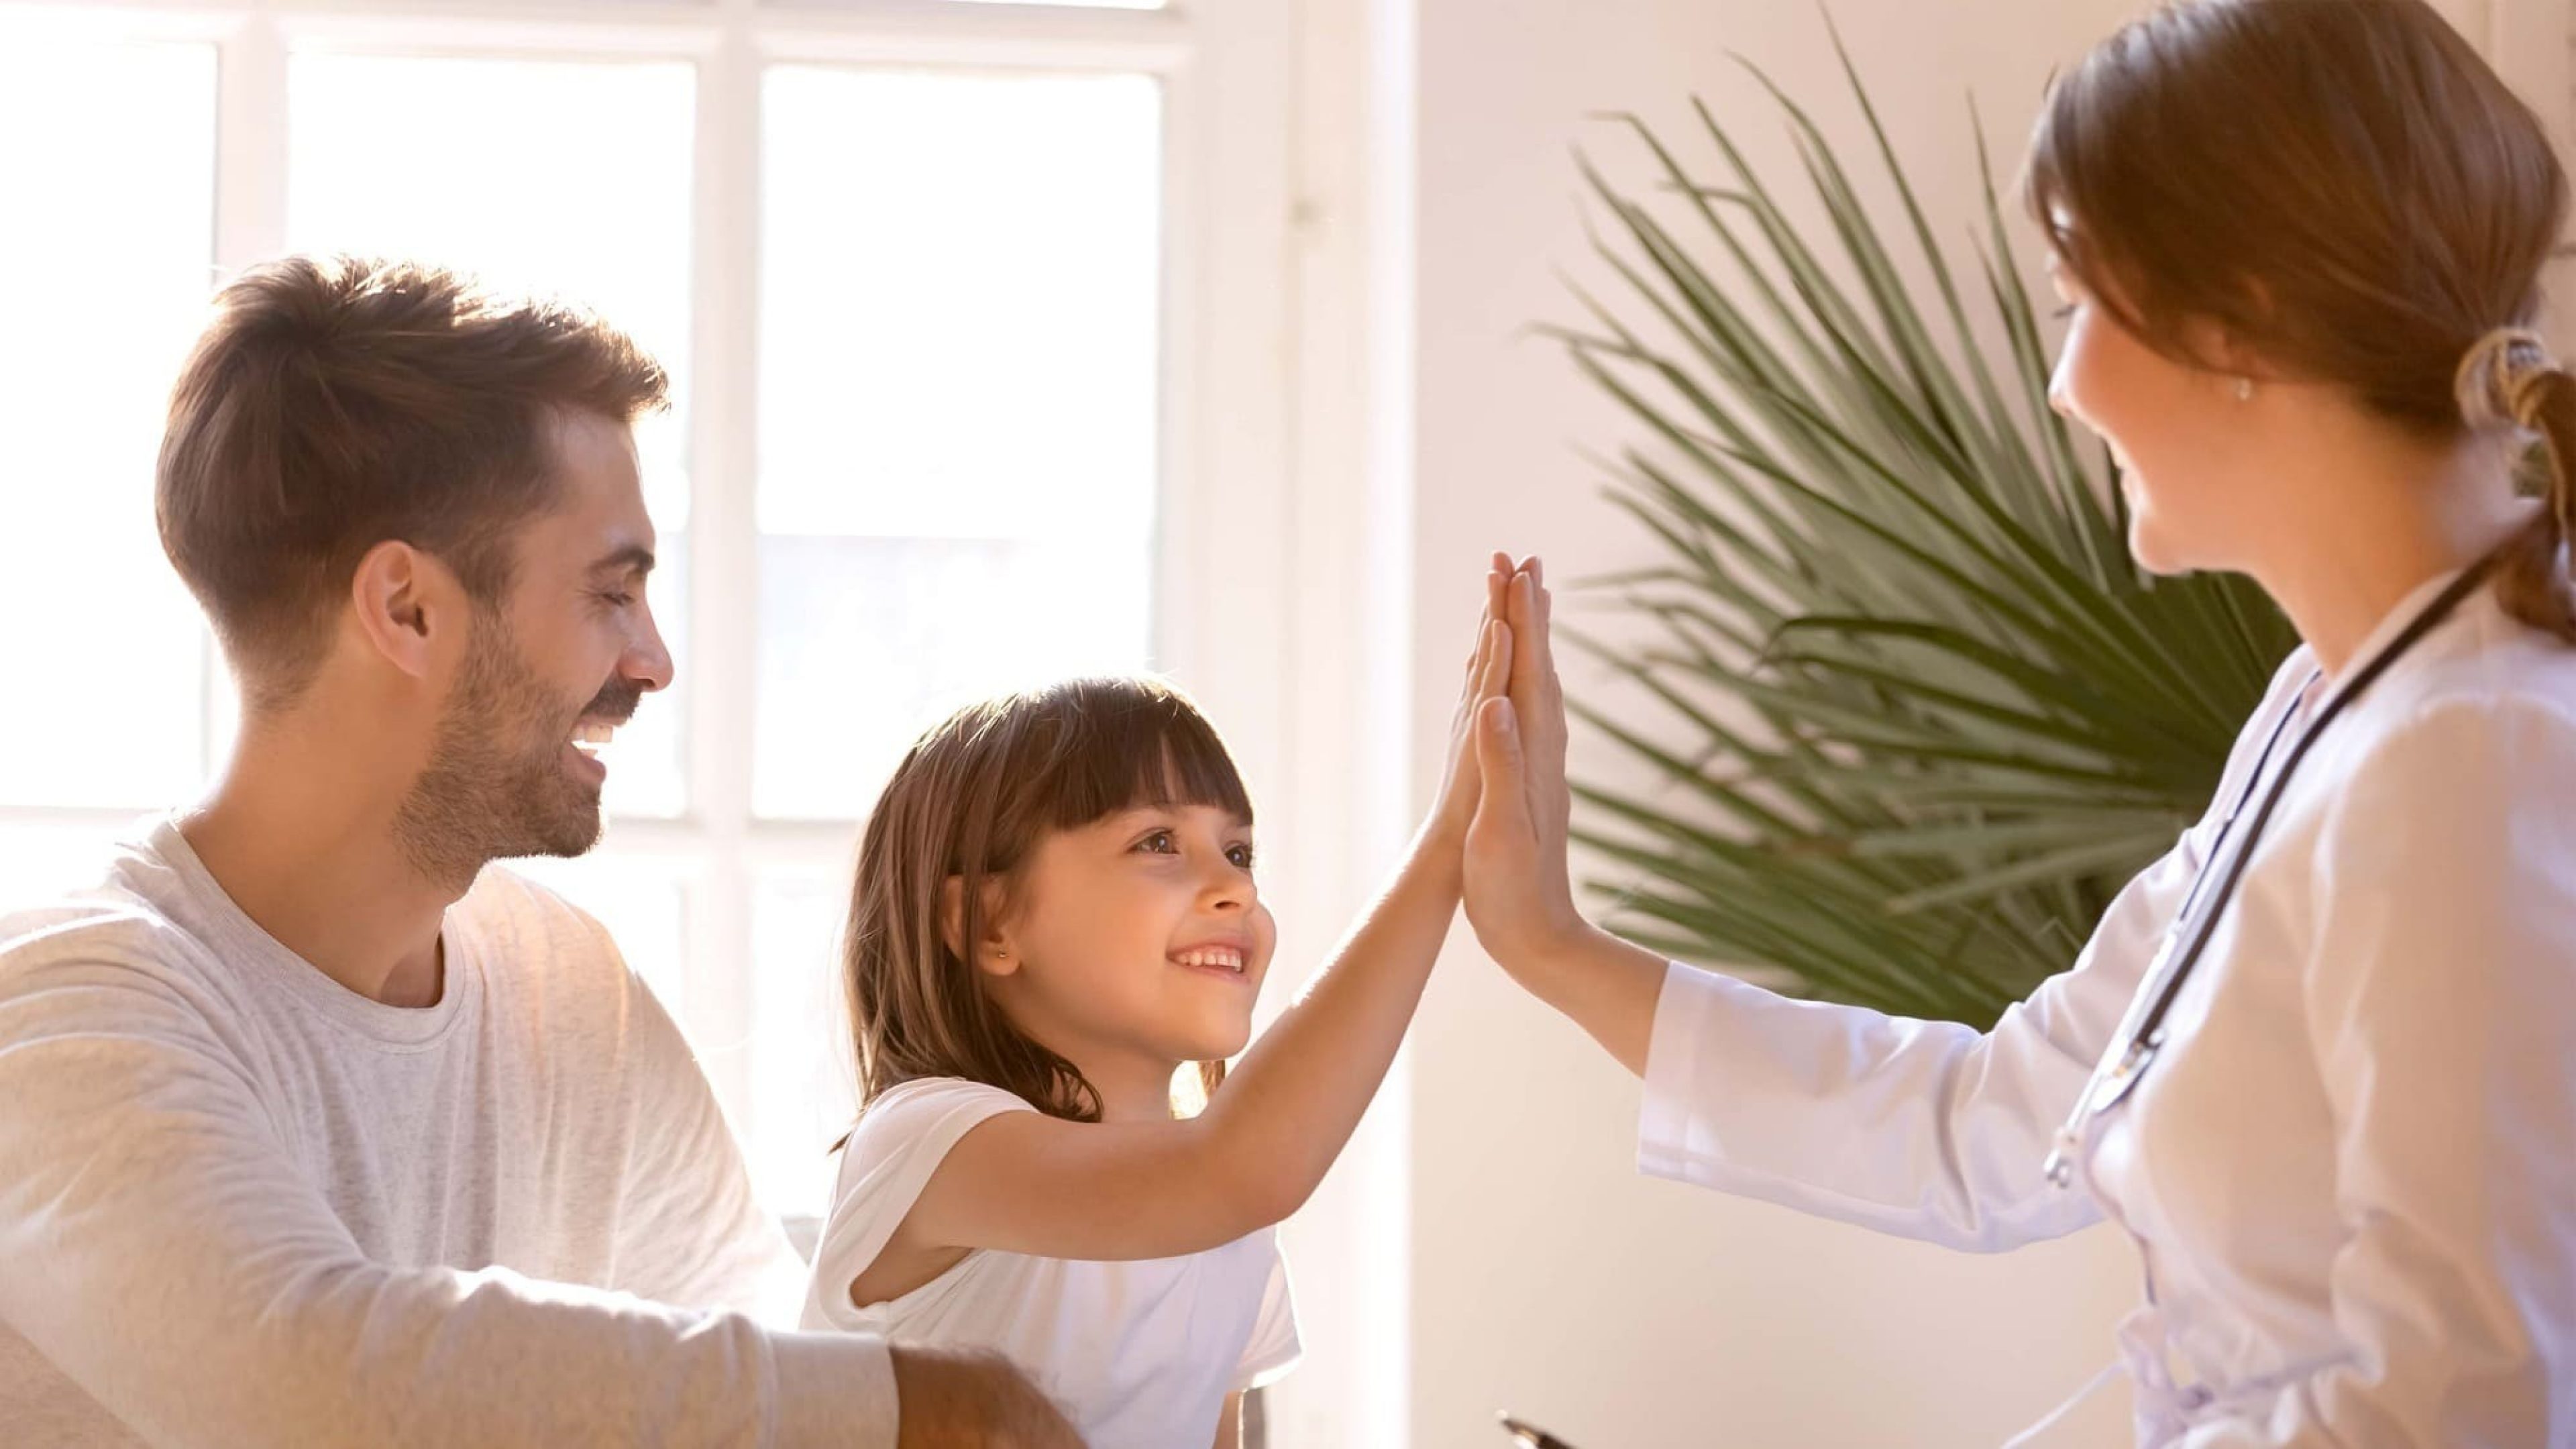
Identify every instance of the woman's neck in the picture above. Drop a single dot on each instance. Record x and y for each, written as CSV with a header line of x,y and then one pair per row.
x,y
2369,530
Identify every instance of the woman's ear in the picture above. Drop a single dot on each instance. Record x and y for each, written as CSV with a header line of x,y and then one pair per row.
x,y
993,955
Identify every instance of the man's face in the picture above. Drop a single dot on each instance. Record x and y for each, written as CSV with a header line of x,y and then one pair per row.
x,y
557,664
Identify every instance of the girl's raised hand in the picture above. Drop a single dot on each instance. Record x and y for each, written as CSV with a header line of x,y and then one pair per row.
x,y
1488,675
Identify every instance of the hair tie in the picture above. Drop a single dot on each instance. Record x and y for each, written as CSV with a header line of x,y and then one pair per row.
x,y
2499,377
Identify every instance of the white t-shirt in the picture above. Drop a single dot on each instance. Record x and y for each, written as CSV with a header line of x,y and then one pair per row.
x,y
241,1205
1139,1355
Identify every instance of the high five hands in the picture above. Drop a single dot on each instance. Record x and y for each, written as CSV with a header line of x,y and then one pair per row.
x,y
1518,893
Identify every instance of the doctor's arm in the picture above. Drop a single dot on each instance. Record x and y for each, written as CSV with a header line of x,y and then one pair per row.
x,y
2440,1004
1926,1129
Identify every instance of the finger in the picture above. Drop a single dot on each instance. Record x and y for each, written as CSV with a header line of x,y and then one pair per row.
x,y
1528,683
1497,674
1493,610
1502,813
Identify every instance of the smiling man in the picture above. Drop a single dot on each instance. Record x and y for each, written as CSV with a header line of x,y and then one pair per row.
x,y
313,1130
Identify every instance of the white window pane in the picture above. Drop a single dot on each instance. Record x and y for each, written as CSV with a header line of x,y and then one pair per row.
x,y
561,177
959,403
959,303
865,642
803,1077
107,164
46,862
643,903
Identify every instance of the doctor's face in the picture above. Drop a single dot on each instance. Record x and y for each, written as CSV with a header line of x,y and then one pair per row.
x,y
2178,433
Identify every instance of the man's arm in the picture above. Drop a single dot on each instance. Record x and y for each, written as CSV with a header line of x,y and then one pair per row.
x,y
953,1399
166,1251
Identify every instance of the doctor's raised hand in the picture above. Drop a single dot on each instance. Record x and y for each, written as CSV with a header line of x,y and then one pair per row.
x,y
1518,895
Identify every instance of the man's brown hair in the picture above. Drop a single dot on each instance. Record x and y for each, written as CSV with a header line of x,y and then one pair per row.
x,y
336,403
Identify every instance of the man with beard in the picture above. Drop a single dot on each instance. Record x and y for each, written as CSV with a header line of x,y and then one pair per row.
x,y
314,1131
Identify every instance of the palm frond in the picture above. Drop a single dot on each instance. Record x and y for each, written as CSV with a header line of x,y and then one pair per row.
x,y
1919,715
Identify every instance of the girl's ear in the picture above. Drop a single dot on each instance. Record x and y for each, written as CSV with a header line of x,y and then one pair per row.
x,y
993,955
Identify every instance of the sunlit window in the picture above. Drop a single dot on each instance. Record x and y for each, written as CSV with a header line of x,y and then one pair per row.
x,y
940,342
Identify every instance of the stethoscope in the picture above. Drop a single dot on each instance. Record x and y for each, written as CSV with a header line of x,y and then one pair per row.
x,y
2142,1035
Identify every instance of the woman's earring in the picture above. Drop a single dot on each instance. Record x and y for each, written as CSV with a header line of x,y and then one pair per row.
x,y
2244,389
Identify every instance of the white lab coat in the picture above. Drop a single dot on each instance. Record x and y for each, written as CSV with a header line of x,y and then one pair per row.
x,y
2351,1172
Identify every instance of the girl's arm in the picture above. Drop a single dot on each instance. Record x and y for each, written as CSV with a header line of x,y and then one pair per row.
x,y
1026,1183
1229,1425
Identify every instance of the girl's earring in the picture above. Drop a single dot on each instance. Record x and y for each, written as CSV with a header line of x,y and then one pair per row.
x,y
2244,389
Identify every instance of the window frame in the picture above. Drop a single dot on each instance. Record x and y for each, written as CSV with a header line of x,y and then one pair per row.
x,y
1226,67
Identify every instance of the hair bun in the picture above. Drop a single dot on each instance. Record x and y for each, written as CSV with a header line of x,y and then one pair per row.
x,y
2497,384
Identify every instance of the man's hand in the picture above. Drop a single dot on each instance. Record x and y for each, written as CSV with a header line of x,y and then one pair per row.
x,y
972,1400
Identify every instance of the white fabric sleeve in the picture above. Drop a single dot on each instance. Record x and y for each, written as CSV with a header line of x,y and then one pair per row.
x,y
1274,1347
898,1145
690,1229
2439,1005
1923,1129
167,1252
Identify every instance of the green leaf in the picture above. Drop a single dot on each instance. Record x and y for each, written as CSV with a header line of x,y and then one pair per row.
x,y
1913,713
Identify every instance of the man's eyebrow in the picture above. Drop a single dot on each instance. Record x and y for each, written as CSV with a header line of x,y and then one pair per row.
x,y
633,558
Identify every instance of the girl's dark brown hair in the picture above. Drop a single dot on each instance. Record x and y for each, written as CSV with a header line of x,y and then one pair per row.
x,y
2345,188
970,801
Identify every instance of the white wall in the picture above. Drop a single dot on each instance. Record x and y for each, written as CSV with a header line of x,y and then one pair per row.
x,y
1548,1277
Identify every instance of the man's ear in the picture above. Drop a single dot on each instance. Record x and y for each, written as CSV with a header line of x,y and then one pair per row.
x,y
406,604
993,955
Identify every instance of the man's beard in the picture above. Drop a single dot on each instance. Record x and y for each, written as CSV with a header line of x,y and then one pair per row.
x,y
495,786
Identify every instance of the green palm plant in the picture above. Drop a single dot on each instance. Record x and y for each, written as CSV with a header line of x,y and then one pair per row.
x,y
1929,714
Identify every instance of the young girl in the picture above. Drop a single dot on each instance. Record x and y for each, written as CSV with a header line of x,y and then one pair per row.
x,y
1055,910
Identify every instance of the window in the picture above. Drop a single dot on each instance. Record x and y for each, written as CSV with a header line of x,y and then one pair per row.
x,y
969,307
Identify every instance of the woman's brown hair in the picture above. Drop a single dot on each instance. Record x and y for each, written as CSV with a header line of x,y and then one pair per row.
x,y
2346,189
972,798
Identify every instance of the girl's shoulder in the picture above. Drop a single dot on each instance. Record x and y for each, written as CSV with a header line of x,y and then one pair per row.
x,y
909,1116
902,1135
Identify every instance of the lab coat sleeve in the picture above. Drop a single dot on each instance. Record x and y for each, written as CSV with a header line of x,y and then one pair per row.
x,y
2439,1004
1924,1129
1929,1130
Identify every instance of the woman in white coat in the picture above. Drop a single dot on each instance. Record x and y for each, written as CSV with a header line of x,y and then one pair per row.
x,y
2320,1060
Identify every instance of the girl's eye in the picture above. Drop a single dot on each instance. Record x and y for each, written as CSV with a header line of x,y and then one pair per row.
x,y
1158,843
1241,855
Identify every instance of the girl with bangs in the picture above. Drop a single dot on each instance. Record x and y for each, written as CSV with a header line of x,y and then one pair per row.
x,y
1055,912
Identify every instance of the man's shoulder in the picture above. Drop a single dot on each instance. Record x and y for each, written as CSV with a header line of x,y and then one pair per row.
x,y
105,924
538,941
519,913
